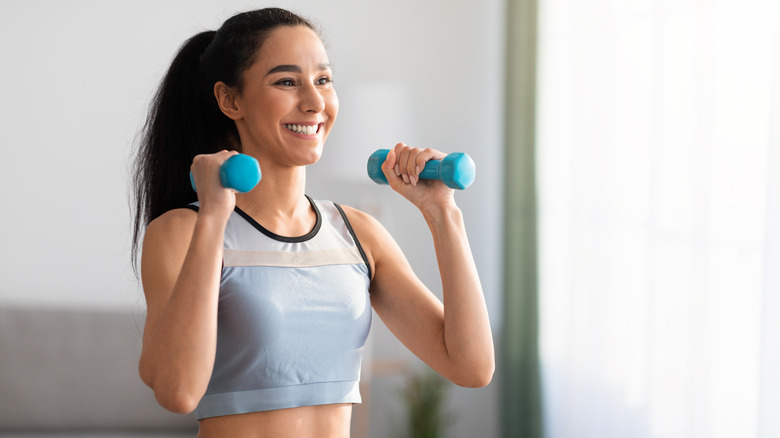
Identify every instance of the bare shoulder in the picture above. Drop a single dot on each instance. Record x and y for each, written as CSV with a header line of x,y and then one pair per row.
x,y
170,231
166,242
385,256
172,228
360,219
367,228
172,223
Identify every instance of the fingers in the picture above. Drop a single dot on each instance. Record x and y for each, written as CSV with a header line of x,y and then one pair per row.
x,y
407,162
204,164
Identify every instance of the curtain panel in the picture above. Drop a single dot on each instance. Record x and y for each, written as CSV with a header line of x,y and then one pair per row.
x,y
659,218
521,388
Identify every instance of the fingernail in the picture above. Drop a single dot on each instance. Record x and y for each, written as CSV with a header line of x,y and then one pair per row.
x,y
397,170
406,179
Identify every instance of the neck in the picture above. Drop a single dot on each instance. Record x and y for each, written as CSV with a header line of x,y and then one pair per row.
x,y
278,202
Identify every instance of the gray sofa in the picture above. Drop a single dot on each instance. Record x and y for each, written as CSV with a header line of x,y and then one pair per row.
x,y
73,373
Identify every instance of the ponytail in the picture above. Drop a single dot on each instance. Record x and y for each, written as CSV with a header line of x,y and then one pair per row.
x,y
184,121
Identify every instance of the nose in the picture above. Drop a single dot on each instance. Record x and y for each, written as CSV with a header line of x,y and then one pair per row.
x,y
312,100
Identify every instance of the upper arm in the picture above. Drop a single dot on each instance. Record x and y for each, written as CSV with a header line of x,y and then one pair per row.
x,y
406,306
165,246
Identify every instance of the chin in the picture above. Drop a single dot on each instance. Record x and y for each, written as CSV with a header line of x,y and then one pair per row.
x,y
315,155
309,159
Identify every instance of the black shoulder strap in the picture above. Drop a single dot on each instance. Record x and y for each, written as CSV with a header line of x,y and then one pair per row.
x,y
354,237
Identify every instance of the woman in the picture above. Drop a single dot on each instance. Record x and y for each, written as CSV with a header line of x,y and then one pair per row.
x,y
259,303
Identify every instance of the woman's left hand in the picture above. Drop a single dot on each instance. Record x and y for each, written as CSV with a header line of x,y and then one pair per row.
x,y
402,169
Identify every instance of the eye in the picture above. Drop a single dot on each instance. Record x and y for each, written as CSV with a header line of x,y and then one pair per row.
x,y
286,82
325,80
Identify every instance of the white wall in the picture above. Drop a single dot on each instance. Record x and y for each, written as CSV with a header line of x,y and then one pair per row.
x,y
77,76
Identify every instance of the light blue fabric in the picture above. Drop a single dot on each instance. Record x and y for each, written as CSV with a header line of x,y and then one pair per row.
x,y
290,333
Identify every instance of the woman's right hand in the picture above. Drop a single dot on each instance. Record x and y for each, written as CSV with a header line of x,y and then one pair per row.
x,y
213,198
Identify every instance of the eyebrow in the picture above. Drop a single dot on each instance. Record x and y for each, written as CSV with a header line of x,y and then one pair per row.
x,y
288,68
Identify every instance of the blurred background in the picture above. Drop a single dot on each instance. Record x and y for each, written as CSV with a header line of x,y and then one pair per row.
x,y
625,217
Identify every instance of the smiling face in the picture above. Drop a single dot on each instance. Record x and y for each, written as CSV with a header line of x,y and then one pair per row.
x,y
287,105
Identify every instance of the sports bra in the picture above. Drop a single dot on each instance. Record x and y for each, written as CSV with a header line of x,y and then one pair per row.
x,y
293,317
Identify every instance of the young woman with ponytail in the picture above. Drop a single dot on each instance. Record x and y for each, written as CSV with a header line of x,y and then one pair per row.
x,y
259,303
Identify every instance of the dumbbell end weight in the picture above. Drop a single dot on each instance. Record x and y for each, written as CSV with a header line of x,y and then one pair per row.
x,y
374,166
458,170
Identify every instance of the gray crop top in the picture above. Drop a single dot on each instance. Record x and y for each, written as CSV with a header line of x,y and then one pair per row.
x,y
293,317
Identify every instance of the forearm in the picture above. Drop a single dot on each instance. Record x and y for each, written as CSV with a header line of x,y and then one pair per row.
x,y
467,335
179,352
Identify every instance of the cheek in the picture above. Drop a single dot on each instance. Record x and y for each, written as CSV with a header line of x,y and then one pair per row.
x,y
332,103
273,104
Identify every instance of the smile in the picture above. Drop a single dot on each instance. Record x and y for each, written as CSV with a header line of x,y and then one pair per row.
x,y
303,129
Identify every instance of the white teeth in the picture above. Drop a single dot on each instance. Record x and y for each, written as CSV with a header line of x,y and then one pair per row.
x,y
303,129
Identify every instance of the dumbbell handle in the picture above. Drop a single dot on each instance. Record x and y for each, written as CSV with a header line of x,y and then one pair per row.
x,y
239,172
456,170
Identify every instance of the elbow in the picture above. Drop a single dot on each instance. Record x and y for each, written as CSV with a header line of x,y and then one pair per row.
x,y
170,395
178,399
178,402
478,379
144,372
477,376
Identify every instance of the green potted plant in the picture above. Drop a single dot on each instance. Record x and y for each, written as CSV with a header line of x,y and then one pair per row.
x,y
425,395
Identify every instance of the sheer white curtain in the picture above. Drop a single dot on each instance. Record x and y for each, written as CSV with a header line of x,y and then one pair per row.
x,y
659,218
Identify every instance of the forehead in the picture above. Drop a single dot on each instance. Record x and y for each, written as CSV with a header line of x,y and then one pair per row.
x,y
291,45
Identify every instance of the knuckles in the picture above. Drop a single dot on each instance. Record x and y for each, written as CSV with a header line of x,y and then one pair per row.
x,y
216,159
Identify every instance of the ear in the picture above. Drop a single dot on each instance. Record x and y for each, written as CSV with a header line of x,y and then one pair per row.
x,y
227,99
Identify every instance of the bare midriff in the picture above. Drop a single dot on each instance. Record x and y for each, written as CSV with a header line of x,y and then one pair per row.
x,y
325,421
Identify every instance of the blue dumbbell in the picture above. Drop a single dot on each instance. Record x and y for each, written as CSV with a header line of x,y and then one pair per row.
x,y
239,172
456,170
